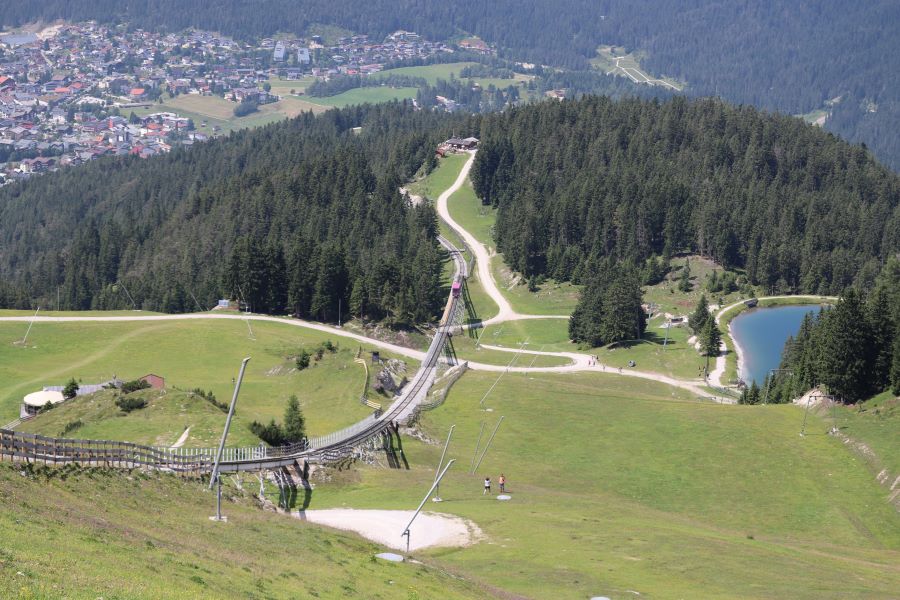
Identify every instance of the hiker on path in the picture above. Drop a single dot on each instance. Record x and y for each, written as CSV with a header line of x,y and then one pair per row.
x,y
502,481
487,486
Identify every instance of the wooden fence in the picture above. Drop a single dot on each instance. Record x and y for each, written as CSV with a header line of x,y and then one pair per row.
x,y
33,448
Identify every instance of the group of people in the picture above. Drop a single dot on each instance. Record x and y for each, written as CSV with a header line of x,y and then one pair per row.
x,y
487,484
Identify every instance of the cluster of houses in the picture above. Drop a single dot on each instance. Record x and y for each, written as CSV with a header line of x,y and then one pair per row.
x,y
66,93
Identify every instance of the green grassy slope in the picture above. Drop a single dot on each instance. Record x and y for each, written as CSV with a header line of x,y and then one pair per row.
x,y
191,354
623,485
92,534
167,414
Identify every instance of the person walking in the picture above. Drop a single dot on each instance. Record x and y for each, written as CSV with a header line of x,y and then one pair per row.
x,y
487,486
502,482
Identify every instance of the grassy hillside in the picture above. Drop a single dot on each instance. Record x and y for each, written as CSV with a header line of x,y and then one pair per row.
x,y
91,534
624,485
160,423
191,354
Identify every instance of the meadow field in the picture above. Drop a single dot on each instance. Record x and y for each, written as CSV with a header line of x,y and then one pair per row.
x,y
363,95
431,74
87,534
621,486
190,354
218,112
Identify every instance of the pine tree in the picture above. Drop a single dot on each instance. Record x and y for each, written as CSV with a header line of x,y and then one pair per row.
x,y
753,394
710,338
684,283
895,368
698,319
294,422
846,357
71,389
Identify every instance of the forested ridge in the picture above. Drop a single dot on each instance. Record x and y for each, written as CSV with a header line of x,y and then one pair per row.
x,y
302,215
779,55
578,181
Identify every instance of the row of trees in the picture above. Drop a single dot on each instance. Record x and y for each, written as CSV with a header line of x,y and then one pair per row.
x,y
853,348
796,208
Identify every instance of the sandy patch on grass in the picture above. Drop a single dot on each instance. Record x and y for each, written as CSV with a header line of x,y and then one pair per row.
x,y
386,526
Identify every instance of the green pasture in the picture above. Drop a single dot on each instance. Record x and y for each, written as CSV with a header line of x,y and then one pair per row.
x,y
218,112
431,74
363,95
621,486
202,354
86,534
442,177
466,349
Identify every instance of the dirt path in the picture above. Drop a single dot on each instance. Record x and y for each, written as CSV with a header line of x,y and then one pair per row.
x,y
182,439
482,257
585,363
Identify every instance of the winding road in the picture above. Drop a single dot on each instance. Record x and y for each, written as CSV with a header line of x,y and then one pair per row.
x,y
482,256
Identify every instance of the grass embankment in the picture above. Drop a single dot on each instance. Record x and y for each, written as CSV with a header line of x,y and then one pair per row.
x,y
160,423
621,485
875,424
192,354
89,534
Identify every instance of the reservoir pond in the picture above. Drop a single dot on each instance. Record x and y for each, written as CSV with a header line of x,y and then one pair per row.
x,y
761,334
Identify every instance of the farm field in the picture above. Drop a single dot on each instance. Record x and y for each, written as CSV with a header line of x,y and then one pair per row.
x,y
218,112
373,95
622,485
431,73
70,533
192,354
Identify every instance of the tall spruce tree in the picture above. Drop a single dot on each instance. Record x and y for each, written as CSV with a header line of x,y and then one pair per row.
x,y
698,319
846,358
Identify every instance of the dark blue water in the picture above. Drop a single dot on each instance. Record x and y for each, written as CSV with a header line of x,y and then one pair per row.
x,y
761,333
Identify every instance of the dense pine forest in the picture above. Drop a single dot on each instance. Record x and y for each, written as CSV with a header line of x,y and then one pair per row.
x,y
302,216
796,208
782,55
852,348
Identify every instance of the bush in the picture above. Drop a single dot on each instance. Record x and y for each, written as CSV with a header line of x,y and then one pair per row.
x,y
70,390
211,398
129,404
302,359
133,386
245,108
70,427
272,434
